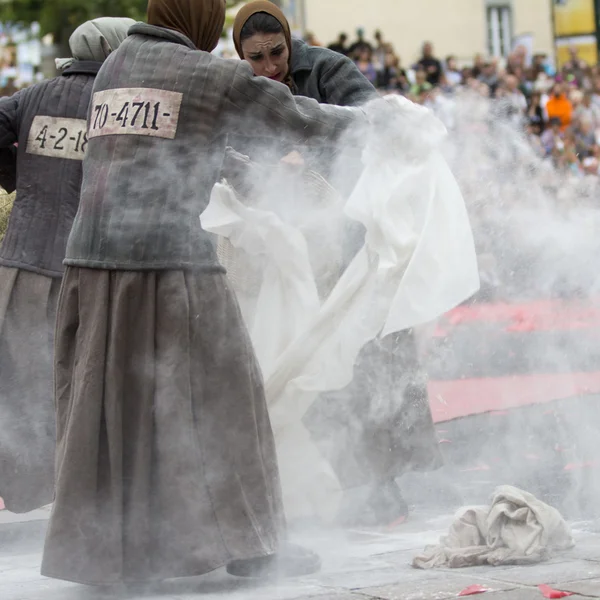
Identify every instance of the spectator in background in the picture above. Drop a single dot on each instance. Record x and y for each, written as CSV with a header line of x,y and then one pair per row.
x,y
588,110
379,53
478,64
365,65
575,66
559,106
596,91
311,39
539,65
359,45
393,77
552,137
453,75
431,65
535,113
489,76
422,87
585,138
340,45
514,93
566,156
533,131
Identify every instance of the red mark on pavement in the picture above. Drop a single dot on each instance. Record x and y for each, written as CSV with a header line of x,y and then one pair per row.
x,y
548,592
473,590
479,468
397,523
2,506
583,465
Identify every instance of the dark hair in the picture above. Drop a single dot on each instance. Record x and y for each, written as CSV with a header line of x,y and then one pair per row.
x,y
260,22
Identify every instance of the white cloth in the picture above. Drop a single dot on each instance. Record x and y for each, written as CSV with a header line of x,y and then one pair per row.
x,y
418,262
516,529
288,298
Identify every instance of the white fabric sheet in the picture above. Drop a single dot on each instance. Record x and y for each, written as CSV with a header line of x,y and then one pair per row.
x,y
418,262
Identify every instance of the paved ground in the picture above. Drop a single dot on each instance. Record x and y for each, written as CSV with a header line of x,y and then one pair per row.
x,y
357,566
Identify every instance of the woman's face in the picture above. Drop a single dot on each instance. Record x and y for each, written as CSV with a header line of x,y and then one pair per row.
x,y
267,54
364,56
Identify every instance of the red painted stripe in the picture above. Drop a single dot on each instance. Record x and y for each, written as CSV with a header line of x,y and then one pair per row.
x,y
453,399
542,315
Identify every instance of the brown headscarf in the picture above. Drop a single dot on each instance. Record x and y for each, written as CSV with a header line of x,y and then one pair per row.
x,y
262,6
200,20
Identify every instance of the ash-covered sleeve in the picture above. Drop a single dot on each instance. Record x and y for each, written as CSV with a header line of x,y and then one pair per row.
x,y
259,106
341,82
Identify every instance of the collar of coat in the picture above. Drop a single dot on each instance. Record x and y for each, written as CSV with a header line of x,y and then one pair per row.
x,y
82,67
163,33
301,60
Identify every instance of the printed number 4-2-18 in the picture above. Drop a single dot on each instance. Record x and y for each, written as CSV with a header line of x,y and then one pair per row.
x,y
56,142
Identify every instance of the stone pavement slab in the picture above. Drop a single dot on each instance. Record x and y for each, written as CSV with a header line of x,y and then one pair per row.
x,y
357,565
435,586
570,570
589,587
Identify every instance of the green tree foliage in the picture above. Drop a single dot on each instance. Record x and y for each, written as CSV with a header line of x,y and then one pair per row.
x,y
61,17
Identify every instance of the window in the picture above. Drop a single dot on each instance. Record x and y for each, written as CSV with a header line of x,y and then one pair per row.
x,y
499,23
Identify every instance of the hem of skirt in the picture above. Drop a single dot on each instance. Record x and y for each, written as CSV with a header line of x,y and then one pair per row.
x,y
107,265
159,578
12,264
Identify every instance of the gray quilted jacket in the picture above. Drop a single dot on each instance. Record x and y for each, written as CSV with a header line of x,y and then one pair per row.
x,y
161,117
48,120
328,77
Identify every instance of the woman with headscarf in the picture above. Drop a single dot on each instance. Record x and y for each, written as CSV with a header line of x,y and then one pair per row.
x,y
365,452
48,121
262,37
166,464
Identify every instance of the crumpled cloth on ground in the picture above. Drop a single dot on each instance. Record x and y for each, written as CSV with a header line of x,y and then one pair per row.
x,y
516,529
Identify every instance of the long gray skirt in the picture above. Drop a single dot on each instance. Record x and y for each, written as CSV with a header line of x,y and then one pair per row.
x,y
166,463
27,431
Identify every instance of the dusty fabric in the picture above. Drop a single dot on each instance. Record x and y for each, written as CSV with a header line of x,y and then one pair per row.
x,y
94,40
379,426
262,6
328,77
200,20
142,212
516,529
405,275
166,464
27,314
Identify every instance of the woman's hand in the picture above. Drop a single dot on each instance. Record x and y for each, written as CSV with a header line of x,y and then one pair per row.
x,y
293,159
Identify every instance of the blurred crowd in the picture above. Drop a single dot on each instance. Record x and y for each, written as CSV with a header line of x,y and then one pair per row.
x,y
559,111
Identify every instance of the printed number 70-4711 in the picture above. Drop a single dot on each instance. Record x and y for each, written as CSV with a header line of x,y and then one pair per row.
x,y
144,115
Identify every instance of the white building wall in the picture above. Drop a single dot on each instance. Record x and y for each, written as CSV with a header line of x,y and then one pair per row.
x,y
456,27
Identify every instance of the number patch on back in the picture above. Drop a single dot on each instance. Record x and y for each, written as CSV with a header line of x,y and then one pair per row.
x,y
58,138
135,111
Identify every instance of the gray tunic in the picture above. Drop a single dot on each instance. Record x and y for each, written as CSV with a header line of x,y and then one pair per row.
x,y
160,119
48,122
328,77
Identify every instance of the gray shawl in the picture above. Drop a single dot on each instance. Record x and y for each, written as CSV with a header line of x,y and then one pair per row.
x,y
95,40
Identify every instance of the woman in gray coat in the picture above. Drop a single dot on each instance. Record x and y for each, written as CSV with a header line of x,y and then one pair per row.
x,y
262,36
381,424
48,121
